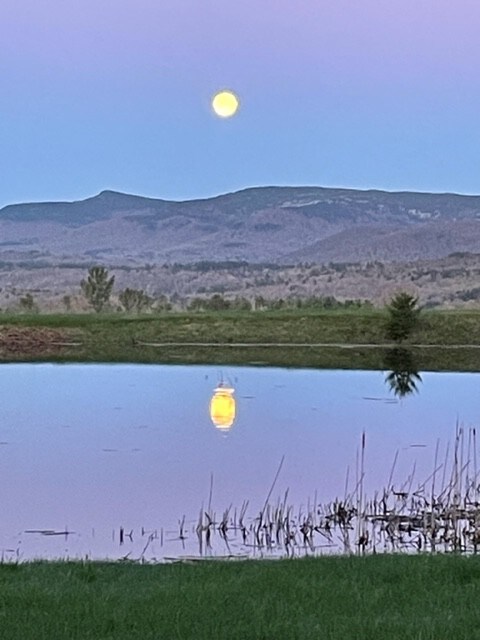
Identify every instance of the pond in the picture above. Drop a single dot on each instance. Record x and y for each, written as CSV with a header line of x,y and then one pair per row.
x,y
106,461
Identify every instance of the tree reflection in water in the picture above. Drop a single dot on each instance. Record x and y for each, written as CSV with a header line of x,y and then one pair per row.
x,y
403,376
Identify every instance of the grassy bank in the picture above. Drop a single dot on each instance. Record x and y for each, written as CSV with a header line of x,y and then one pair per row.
x,y
115,338
377,597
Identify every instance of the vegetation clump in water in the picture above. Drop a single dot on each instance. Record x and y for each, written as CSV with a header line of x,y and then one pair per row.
x,y
440,514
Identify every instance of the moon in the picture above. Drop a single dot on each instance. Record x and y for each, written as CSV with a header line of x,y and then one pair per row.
x,y
225,104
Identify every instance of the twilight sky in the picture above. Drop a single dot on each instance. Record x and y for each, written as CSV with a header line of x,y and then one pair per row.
x,y
115,94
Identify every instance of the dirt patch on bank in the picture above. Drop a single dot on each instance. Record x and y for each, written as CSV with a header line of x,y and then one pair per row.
x,y
31,341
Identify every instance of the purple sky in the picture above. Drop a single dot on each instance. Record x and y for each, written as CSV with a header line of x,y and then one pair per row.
x,y
98,94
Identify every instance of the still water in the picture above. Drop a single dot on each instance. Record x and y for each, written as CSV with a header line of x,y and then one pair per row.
x,y
117,454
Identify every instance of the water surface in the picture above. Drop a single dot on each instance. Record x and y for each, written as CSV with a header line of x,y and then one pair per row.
x,y
91,449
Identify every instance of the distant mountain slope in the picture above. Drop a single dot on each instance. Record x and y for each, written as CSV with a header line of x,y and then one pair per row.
x,y
387,244
282,224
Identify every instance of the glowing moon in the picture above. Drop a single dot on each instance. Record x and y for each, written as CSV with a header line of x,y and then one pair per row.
x,y
225,104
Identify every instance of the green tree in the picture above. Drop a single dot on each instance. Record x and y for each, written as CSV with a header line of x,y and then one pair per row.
x,y
135,300
217,303
403,316
241,304
27,303
161,303
196,304
259,303
67,301
97,288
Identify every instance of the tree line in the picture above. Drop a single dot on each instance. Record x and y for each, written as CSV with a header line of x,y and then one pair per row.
x,y
403,311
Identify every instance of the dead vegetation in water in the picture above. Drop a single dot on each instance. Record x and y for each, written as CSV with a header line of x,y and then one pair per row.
x,y
440,514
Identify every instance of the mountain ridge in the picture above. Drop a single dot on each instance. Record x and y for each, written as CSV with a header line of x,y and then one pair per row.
x,y
256,224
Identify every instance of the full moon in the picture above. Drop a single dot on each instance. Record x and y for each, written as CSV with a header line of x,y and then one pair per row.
x,y
225,104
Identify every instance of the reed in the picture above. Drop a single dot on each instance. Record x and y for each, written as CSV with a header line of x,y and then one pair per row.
x,y
430,516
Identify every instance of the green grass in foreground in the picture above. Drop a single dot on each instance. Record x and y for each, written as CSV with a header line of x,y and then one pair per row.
x,y
341,598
